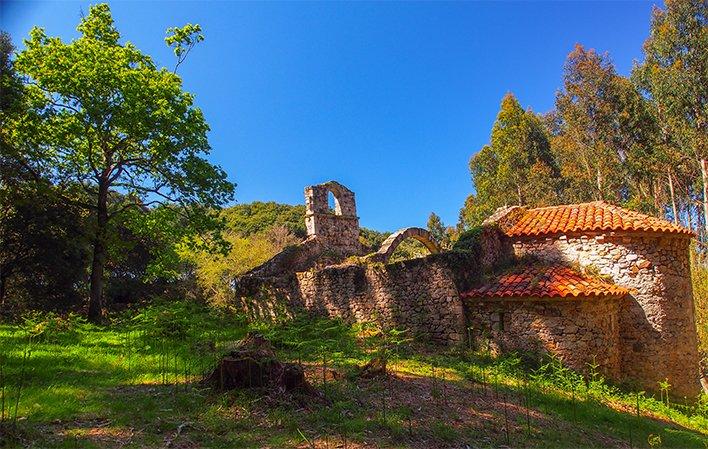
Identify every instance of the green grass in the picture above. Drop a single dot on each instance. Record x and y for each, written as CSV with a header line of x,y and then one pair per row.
x,y
134,383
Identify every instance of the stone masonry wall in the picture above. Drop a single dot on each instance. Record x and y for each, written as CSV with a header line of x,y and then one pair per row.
x,y
420,295
657,327
580,331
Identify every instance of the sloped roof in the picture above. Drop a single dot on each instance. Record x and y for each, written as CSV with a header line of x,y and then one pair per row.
x,y
594,216
545,281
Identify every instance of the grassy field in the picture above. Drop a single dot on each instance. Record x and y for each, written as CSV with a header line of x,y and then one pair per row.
x,y
134,383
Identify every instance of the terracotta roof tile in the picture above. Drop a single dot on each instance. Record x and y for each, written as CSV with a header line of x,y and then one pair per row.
x,y
554,281
595,216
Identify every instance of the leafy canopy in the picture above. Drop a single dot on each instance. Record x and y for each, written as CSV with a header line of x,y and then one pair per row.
x,y
104,117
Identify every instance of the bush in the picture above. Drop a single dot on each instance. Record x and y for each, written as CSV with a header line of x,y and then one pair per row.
x,y
470,240
50,327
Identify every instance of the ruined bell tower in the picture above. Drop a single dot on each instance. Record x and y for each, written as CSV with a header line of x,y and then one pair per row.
x,y
338,229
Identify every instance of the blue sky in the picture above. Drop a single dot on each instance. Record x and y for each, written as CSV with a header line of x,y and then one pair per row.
x,y
391,99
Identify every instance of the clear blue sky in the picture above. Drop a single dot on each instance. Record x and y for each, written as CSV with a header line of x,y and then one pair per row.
x,y
391,99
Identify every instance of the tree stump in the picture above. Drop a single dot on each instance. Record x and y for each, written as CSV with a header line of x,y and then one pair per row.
x,y
253,364
374,368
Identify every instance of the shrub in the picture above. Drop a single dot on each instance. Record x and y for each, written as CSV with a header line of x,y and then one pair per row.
x,y
469,241
50,327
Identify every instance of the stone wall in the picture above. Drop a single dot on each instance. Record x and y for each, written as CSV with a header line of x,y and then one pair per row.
x,y
580,331
657,327
421,295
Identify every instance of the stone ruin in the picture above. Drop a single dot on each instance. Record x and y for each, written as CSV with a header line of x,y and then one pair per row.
x,y
591,283
337,230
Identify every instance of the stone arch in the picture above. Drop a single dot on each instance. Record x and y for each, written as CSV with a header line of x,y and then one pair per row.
x,y
391,243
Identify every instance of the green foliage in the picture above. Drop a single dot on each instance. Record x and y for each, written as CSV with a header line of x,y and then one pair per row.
x,y
43,250
10,85
674,78
469,240
257,217
216,272
182,40
115,121
443,235
409,249
639,143
50,327
674,74
699,277
372,240
517,166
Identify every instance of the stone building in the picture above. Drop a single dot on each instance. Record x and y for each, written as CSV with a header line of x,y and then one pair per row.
x,y
592,283
647,256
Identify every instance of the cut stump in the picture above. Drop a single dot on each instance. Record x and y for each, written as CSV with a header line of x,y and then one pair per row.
x,y
253,364
374,368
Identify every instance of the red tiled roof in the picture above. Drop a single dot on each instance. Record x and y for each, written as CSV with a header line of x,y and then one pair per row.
x,y
545,282
595,216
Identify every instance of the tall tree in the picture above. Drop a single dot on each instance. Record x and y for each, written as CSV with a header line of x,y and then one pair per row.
x,y
605,135
520,142
516,167
586,107
438,230
104,117
674,75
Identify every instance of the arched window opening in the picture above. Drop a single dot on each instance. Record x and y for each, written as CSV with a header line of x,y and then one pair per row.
x,y
333,206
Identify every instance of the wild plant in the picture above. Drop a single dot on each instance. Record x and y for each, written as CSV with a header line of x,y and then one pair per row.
x,y
654,440
664,387
9,405
2,389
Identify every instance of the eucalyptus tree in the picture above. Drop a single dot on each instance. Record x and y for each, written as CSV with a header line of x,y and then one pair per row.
x,y
104,118
674,75
516,167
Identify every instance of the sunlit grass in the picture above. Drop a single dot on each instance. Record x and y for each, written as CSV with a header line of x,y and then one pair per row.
x,y
134,382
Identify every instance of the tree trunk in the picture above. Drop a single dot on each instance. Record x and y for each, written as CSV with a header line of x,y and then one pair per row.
x,y
654,189
704,176
3,283
518,192
689,214
673,197
599,184
95,309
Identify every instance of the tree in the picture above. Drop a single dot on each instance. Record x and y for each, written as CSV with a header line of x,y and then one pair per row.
x,y
102,116
43,252
255,217
215,273
604,135
516,167
438,231
586,107
520,142
10,83
674,75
